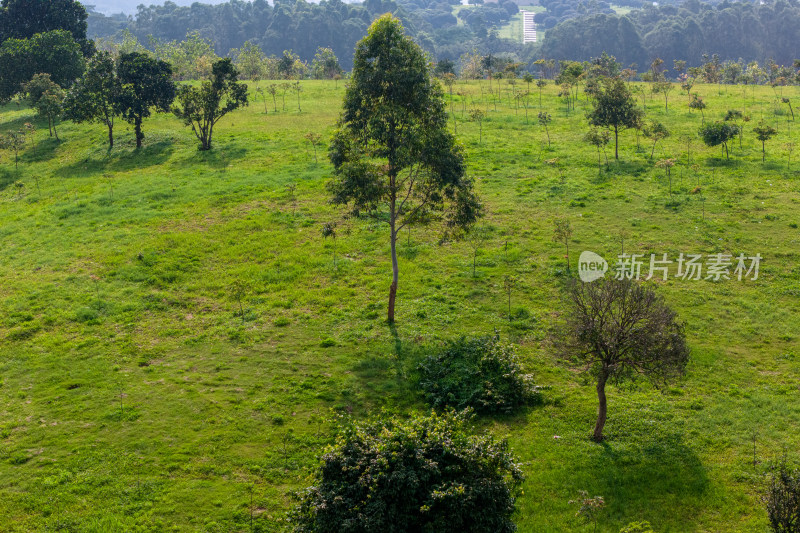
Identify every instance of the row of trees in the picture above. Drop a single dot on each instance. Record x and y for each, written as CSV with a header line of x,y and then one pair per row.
x,y
576,30
132,87
746,31
192,58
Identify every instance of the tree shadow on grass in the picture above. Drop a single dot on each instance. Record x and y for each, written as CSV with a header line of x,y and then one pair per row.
x,y
391,376
119,161
387,381
219,157
19,122
7,177
626,168
655,477
44,150
720,162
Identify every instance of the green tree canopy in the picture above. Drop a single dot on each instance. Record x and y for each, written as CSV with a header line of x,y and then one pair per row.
x,y
202,107
325,64
22,19
95,97
46,97
615,108
425,474
55,53
146,85
393,156
718,133
764,132
35,89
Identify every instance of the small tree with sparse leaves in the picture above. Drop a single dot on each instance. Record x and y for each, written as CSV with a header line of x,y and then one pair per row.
x,y
590,507
697,103
314,140
202,107
477,115
562,233
655,131
329,230
599,139
764,132
545,119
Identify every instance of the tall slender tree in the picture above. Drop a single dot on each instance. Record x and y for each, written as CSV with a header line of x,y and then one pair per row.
x,y
393,156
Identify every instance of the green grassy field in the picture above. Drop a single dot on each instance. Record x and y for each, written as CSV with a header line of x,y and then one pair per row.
x,y
134,396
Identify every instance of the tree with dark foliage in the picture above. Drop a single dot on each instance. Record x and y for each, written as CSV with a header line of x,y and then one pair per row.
x,y
782,499
55,53
615,108
22,19
146,84
398,476
618,329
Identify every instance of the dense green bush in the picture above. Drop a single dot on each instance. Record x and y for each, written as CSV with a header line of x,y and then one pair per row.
x,y
426,474
478,372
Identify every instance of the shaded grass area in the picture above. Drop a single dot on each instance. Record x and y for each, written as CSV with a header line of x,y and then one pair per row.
x,y
136,394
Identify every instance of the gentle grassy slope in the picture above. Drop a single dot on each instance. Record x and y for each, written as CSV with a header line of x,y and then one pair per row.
x,y
134,396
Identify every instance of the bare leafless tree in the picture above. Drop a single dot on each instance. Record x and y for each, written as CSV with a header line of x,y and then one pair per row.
x,y
618,329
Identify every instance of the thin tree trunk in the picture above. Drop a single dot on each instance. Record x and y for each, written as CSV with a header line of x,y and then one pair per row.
x,y
616,142
393,287
110,136
602,407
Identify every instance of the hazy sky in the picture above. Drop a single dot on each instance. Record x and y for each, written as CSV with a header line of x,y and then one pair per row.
x,y
129,6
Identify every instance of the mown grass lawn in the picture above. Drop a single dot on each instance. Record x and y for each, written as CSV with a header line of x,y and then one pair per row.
x,y
135,396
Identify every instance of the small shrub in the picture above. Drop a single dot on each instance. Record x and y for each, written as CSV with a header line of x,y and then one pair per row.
x,y
19,458
783,499
327,342
87,316
637,527
482,373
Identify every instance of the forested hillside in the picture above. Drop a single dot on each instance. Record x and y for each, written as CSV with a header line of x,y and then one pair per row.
x,y
578,31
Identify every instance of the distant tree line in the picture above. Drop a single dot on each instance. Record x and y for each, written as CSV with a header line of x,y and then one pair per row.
x,y
303,27
733,31
576,30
